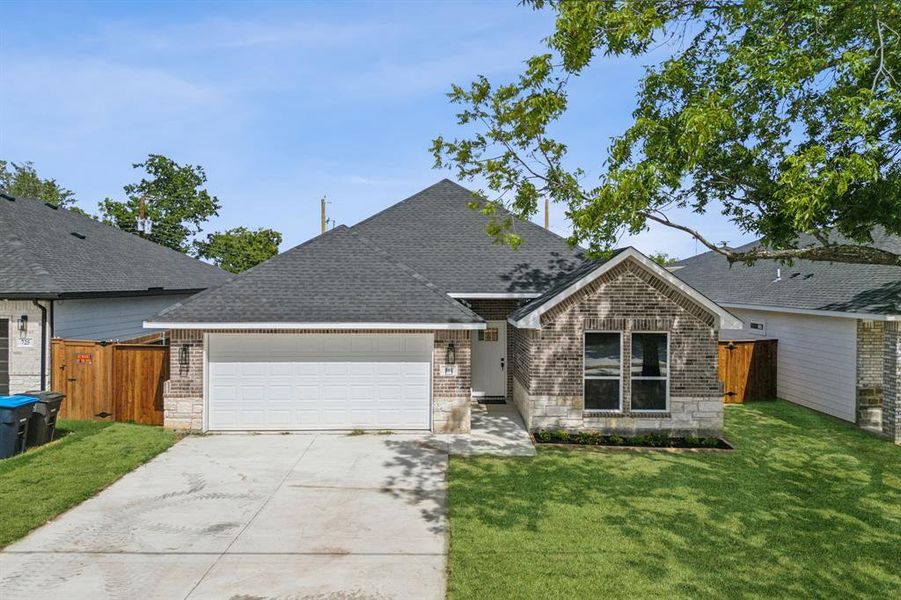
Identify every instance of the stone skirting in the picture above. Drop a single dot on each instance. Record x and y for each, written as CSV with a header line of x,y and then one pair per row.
x,y
891,382
696,416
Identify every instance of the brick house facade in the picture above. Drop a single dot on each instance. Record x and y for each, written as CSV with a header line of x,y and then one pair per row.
x,y
545,365
549,362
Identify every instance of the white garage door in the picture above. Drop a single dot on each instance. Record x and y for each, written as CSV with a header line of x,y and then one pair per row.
x,y
319,381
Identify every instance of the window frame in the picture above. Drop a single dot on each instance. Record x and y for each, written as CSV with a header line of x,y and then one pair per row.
x,y
619,378
666,407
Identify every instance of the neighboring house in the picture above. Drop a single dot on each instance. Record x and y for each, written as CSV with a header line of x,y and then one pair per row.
x,y
838,326
63,274
401,320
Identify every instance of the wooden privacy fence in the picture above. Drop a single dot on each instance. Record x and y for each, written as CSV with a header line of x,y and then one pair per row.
x,y
110,381
747,369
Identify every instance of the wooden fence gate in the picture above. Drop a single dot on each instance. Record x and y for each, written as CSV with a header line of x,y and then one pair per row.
x,y
110,381
747,369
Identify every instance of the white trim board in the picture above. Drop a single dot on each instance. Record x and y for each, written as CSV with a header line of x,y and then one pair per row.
x,y
815,312
493,296
287,326
533,319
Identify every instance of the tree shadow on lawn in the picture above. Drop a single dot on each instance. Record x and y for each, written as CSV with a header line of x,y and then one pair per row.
x,y
804,506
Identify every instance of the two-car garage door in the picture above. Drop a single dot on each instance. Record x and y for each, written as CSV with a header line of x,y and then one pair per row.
x,y
318,381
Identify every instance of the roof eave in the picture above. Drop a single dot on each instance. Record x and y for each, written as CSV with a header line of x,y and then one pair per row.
x,y
315,326
815,312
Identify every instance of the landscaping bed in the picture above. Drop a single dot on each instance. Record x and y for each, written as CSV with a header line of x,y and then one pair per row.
x,y
657,441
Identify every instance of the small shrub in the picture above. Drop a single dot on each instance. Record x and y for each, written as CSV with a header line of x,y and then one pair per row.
x,y
561,435
386,432
658,440
357,432
543,435
710,442
638,440
586,438
692,440
616,440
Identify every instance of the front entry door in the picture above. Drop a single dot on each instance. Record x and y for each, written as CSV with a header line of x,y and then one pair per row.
x,y
489,360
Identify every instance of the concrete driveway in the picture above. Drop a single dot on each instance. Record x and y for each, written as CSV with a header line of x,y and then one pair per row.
x,y
250,517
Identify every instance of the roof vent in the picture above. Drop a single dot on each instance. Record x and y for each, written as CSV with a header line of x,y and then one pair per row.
x,y
778,276
80,236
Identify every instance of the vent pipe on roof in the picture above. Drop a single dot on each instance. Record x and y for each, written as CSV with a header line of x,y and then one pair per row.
x,y
778,275
322,219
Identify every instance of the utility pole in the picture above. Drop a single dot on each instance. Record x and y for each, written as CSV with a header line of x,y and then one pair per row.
x,y
547,213
322,219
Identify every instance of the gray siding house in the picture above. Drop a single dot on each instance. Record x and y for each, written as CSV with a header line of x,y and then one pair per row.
x,y
838,327
403,320
63,274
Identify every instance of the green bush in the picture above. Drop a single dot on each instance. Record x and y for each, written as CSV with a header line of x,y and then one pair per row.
x,y
561,435
543,435
616,440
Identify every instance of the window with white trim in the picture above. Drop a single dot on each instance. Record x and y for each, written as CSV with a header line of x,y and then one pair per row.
x,y
649,371
602,385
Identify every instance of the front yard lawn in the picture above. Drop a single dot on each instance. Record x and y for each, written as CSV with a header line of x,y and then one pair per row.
x,y
804,507
87,457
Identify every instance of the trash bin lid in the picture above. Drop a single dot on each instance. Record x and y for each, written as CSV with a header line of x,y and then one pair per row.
x,y
16,401
43,395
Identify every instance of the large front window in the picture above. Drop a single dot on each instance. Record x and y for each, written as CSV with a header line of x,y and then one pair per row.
x,y
603,371
650,371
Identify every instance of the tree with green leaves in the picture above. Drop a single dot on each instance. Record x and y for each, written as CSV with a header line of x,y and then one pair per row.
x,y
173,197
785,115
239,249
21,179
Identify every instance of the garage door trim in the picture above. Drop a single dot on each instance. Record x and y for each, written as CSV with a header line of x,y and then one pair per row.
x,y
205,365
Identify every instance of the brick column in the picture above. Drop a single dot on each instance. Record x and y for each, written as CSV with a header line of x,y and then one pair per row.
x,y
891,382
183,393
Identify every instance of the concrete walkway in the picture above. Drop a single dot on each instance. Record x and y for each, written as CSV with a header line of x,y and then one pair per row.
x,y
497,429
252,516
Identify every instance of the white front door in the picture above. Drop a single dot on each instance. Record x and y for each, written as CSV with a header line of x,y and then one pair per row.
x,y
318,381
489,360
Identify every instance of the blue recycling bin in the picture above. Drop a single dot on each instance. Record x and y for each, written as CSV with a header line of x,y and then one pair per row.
x,y
15,411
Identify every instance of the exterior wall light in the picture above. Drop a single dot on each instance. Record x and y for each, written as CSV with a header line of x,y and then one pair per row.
x,y
451,354
23,324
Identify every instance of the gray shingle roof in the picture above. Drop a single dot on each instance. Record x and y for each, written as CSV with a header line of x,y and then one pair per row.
x,y
41,258
436,234
809,285
337,277
563,283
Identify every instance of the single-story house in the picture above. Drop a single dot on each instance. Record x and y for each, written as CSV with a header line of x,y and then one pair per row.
x,y
63,274
838,328
402,320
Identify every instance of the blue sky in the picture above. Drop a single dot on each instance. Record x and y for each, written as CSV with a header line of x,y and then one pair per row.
x,y
282,102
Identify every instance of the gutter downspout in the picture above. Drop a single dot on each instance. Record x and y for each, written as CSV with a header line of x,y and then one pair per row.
x,y
43,343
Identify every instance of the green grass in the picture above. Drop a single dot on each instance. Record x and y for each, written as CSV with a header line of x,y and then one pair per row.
x,y
86,457
804,507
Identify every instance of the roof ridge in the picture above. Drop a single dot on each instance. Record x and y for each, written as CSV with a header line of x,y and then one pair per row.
x,y
413,273
93,222
410,197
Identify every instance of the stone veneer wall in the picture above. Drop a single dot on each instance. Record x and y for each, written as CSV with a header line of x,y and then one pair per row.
x,y
870,369
24,362
499,310
548,386
891,382
183,393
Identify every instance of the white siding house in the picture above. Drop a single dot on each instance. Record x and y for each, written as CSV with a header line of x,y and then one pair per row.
x,y
108,318
817,358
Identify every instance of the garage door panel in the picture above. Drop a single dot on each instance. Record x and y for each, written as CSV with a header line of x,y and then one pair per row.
x,y
319,381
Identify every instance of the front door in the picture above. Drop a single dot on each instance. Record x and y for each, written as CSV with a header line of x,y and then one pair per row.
x,y
489,360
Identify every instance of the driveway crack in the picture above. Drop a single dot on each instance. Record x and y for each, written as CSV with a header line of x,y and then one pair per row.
x,y
253,518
